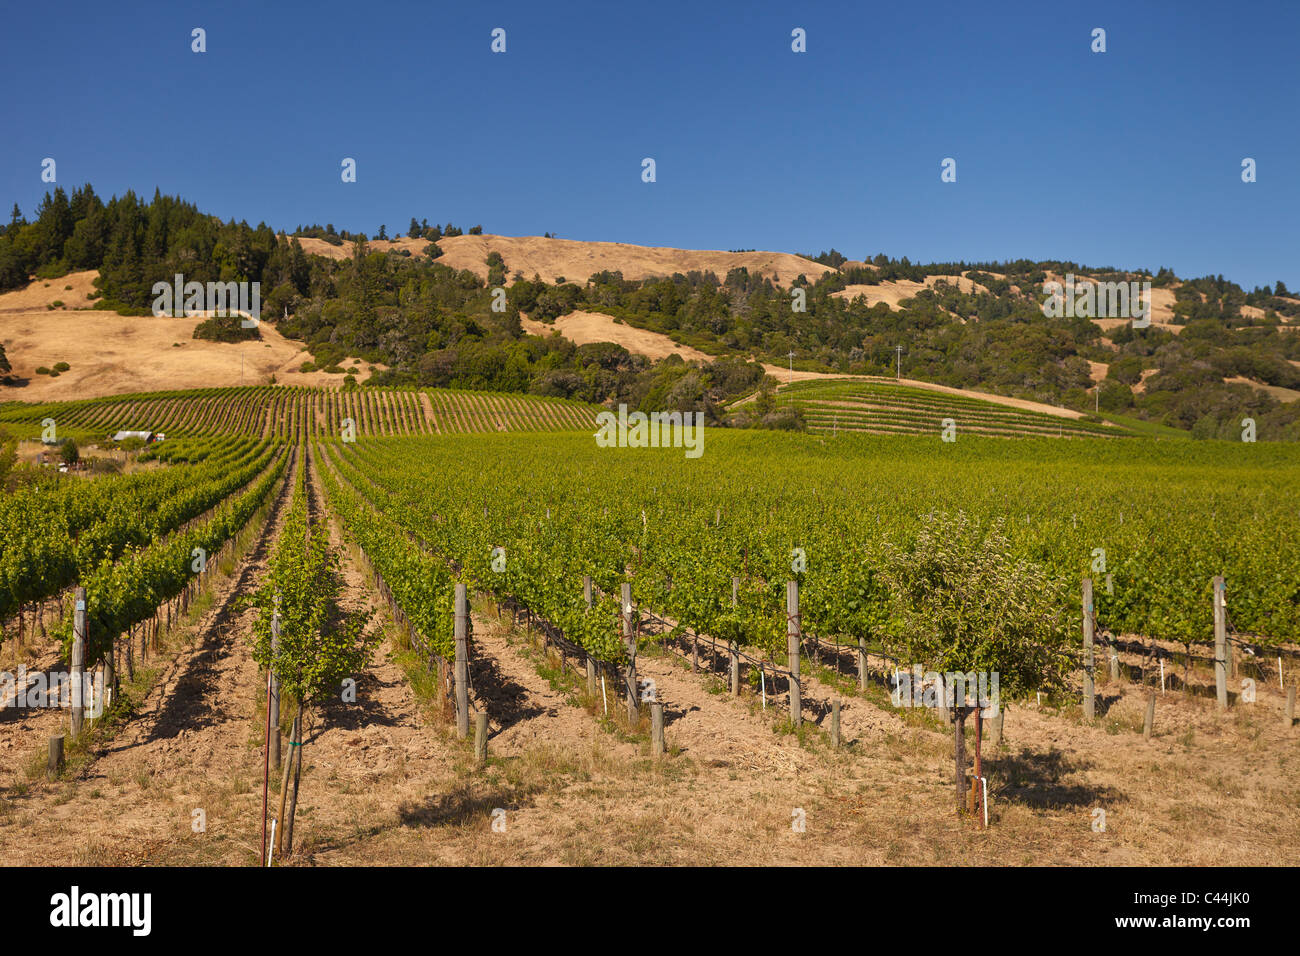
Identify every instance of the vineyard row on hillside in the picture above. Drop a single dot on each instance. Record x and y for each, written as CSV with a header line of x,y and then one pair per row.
x,y
892,409
300,413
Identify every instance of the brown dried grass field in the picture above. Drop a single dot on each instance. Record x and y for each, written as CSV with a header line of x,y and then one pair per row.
x,y
112,354
576,260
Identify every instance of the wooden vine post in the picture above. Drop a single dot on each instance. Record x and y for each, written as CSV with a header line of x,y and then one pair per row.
x,y
289,788
110,672
1220,643
733,652
1089,691
79,664
995,725
270,683
591,661
54,765
480,737
792,649
462,661
657,729
629,644
959,748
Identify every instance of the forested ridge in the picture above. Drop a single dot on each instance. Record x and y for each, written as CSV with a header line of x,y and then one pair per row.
x,y
435,326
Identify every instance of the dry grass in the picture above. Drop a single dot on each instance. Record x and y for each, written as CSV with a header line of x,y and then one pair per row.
x,y
576,261
111,354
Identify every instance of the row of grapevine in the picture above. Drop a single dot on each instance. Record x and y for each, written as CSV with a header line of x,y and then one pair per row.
x,y
421,584
1154,521
55,532
124,592
900,409
298,413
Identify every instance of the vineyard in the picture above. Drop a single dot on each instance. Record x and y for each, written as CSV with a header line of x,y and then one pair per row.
x,y
1155,522
128,537
900,409
301,413
716,492
613,613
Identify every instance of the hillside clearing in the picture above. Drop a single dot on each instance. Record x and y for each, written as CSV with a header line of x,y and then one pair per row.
x,y
576,260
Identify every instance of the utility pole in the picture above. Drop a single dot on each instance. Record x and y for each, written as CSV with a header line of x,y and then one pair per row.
x,y
899,373
791,355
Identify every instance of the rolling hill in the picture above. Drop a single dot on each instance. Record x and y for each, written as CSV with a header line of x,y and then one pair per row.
x,y
696,329
560,260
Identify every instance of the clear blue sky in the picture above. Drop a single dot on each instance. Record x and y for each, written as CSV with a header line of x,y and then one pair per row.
x,y
1129,158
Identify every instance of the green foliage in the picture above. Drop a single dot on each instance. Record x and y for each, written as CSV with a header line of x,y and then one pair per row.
x,y
422,584
963,601
226,328
990,580
55,532
8,458
138,555
785,418
834,258
54,269
320,644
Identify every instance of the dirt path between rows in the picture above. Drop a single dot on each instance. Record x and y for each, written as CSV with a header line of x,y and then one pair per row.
x,y
363,762
23,728
178,754
716,728
523,709
569,791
